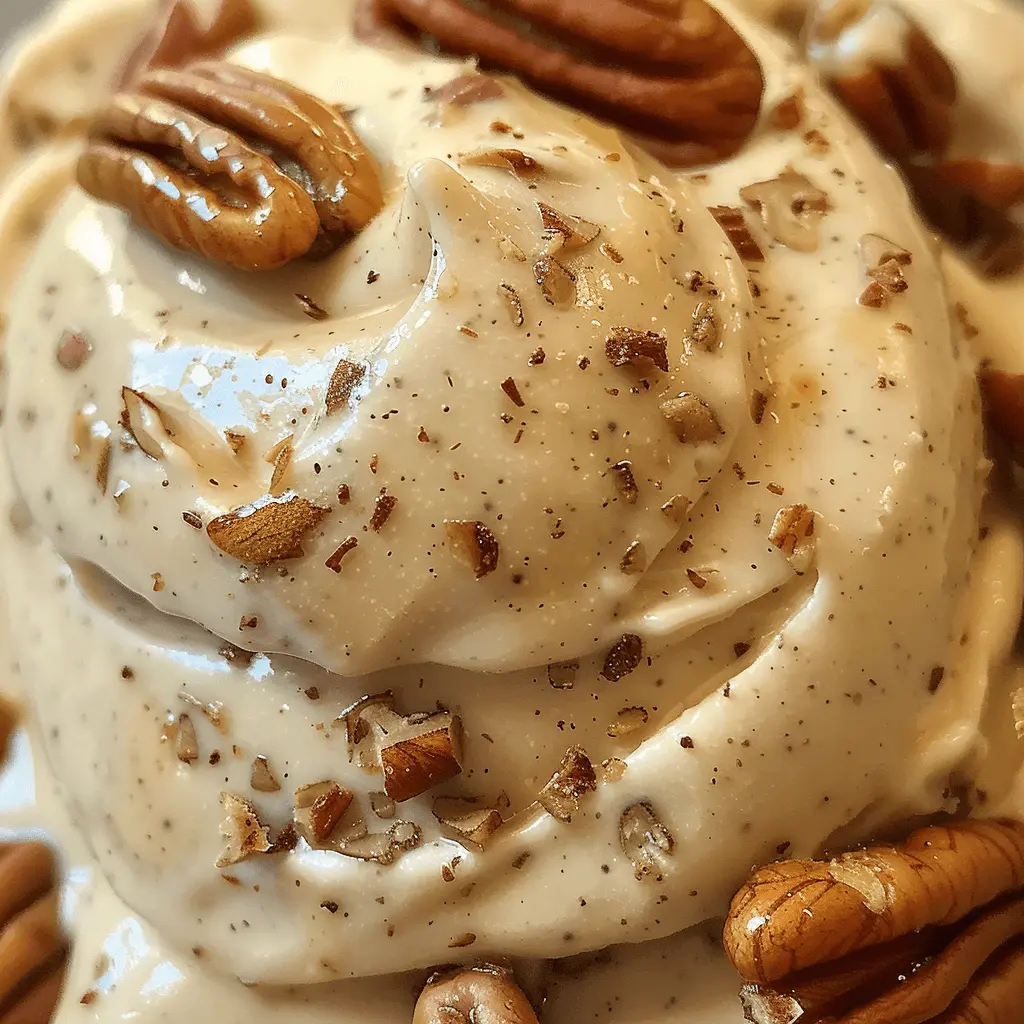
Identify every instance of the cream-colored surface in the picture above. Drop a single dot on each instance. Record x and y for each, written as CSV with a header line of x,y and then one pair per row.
x,y
824,721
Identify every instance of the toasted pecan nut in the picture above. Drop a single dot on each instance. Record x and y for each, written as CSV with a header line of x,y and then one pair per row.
x,y
905,102
1003,395
1000,186
484,994
318,189
936,878
893,934
676,74
176,37
32,945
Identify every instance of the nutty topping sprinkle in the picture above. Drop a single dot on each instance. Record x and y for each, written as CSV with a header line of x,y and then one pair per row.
x,y
268,530
562,674
192,520
623,658
334,562
188,744
325,804
384,848
732,222
310,308
634,560
474,544
420,752
628,720
792,533
467,820
383,505
564,231
704,334
466,90
242,829
514,160
624,346
692,420
513,302
509,386
575,778
557,284
73,351
345,379
262,777
625,482
645,841
791,206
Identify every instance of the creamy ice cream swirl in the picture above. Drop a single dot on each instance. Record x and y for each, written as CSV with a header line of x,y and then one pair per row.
x,y
779,699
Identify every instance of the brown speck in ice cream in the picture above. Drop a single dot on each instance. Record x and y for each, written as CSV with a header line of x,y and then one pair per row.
x,y
511,389
626,347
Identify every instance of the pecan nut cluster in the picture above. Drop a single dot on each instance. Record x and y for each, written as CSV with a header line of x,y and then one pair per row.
x,y
927,932
672,72
239,167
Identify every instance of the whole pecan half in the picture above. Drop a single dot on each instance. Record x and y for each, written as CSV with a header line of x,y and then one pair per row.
x,y
920,932
32,945
674,73
904,92
177,37
239,167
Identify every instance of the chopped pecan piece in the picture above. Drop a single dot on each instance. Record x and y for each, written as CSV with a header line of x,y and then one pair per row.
x,y
268,530
733,223
645,840
420,752
692,419
574,778
203,117
474,544
623,658
319,807
242,829
626,347
792,532
467,820
791,206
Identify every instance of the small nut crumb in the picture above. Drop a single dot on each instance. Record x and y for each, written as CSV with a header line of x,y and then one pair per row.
x,y
624,657
575,777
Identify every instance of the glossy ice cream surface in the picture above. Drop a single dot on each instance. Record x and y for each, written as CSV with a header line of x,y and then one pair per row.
x,y
783,699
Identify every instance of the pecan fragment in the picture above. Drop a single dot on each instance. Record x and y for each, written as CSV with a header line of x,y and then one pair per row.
x,y
575,777
467,820
692,419
217,194
319,807
474,544
645,840
792,532
624,657
901,934
242,829
733,223
680,77
268,530
420,752
626,347
791,207
480,993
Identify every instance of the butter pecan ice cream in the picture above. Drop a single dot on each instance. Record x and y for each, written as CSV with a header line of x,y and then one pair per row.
x,y
436,531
